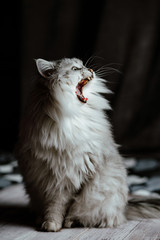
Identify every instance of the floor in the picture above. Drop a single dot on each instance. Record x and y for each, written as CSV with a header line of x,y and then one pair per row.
x,y
16,225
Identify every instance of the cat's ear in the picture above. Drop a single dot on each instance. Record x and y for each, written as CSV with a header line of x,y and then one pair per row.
x,y
45,68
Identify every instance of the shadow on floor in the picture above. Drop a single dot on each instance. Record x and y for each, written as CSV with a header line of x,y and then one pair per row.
x,y
16,215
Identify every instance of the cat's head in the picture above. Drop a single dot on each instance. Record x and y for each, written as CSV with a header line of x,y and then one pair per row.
x,y
66,76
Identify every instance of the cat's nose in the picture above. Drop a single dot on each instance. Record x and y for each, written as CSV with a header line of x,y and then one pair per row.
x,y
90,69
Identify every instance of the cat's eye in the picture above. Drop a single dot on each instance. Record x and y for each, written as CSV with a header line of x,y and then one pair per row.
x,y
76,68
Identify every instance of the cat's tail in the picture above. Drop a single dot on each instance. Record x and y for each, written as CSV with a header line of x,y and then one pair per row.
x,y
143,207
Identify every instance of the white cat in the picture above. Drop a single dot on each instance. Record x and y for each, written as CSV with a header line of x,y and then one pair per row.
x,y
72,169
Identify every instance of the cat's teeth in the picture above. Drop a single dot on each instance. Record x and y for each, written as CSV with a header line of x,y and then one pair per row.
x,y
90,78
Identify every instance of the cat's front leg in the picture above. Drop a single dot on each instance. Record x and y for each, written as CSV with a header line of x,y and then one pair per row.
x,y
101,202
54,212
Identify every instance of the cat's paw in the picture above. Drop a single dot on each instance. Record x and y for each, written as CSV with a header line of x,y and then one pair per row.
x,y
51,226
111,221
68,223
115,221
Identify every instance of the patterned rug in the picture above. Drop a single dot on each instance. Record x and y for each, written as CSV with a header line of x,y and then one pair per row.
x,y
9,171
143,174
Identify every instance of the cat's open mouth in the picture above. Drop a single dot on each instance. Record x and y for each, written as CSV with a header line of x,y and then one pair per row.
x,y
79,89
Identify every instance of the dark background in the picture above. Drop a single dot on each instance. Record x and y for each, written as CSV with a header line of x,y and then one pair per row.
x,y
123,33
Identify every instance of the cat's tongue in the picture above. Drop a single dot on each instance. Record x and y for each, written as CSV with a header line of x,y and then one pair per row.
x,y
79,89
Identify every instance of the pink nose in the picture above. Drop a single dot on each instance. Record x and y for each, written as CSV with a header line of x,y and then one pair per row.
x,y
89,69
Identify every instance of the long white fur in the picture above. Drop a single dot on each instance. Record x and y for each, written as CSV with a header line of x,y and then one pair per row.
x,y
70,163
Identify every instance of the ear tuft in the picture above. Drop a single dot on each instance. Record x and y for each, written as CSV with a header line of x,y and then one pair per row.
x,y
45,68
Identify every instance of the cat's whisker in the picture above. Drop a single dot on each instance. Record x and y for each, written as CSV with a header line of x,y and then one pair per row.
x,y
91,59
111,69
104,72
110,65
93,66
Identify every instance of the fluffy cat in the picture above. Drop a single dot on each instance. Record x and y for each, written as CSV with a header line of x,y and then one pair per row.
x,y
71,167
